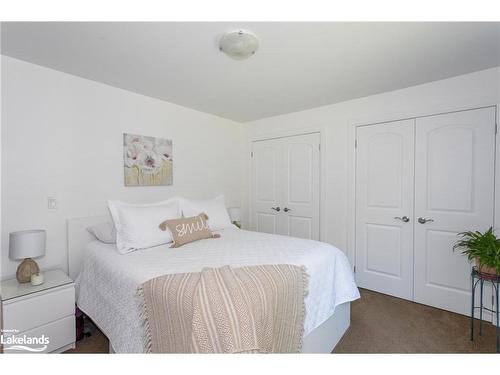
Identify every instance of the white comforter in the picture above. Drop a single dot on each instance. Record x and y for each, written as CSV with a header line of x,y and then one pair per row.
x,y
108,281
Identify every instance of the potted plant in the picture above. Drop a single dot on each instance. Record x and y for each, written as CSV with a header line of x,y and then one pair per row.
x,y
483,248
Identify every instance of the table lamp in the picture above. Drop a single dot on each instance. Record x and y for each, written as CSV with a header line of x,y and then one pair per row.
x,y
235,215
26,244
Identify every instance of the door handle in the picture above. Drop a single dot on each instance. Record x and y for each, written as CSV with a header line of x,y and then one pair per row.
x,y
404,219
277,209
423,220
286,209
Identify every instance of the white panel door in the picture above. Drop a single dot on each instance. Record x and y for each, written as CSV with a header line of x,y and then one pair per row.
x,y
286,186
267,166
384,207
454,192
300,217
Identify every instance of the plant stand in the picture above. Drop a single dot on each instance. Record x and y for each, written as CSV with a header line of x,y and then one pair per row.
x,y
480,277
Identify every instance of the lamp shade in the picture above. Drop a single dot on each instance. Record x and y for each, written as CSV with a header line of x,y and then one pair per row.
x,y
27,244
234,213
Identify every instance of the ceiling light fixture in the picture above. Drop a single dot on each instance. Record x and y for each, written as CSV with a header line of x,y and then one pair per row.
x,y
239,44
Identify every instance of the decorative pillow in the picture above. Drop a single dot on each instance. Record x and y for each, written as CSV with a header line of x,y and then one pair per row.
x,y
137,224
188,229
214,208
104,232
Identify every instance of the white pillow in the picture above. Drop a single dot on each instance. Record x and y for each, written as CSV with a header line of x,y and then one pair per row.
x,y
137,225
218,218
104,232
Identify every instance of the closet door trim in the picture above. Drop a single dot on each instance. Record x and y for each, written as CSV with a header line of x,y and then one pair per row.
x,y
320,190
351,161
352,235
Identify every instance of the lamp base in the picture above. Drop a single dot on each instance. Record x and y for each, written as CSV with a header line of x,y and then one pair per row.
x,y
27,268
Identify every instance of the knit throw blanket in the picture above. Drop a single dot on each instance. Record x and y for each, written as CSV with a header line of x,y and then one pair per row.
x,y
256,309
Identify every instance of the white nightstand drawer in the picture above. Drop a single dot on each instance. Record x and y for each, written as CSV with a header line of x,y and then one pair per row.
x,y
24,314
59,333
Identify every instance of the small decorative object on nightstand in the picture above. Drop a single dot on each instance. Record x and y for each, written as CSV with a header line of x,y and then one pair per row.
x,y
38,319
37,279
27,244
235,215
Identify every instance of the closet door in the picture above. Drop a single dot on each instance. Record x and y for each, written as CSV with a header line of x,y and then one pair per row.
x,y
285,186
267,187
384,207
300,217
454,184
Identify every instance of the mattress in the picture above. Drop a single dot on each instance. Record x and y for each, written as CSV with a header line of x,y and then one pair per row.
x,y
107,284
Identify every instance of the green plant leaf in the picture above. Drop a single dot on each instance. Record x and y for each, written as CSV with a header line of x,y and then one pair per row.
x,y
485,247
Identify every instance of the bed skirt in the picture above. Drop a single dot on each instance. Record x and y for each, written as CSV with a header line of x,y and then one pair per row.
x,y
324,338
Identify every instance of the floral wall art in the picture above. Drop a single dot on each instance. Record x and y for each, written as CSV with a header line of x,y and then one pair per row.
x,y
147,160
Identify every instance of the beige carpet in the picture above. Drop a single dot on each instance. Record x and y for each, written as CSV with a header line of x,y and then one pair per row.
x,y
384,324
95,344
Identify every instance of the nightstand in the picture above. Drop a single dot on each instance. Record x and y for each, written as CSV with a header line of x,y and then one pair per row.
x,y
40,318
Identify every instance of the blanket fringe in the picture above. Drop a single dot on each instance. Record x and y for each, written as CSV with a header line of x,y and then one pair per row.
x,y
143,316
305,292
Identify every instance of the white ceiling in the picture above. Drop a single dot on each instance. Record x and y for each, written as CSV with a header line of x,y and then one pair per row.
x,y
298,65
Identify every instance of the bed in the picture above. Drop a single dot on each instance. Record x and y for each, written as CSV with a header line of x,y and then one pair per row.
x,y
106,281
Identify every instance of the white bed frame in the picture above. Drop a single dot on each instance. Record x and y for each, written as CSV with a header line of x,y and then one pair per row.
x,y
321,340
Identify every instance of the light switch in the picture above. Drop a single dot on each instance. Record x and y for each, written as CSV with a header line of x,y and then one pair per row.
x,y
52,203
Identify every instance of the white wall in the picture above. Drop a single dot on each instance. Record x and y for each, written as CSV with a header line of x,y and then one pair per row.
x,y
62,137
337,126
1,120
